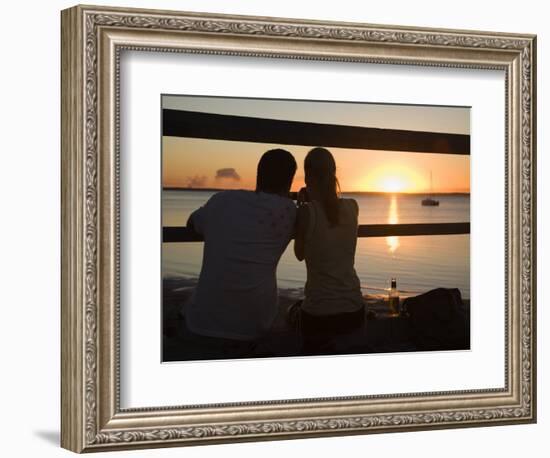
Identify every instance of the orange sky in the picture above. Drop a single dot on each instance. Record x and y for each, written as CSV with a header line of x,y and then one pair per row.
x,y
203,163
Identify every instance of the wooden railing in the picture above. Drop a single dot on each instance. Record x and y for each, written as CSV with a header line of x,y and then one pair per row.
x,y
183,234
180,123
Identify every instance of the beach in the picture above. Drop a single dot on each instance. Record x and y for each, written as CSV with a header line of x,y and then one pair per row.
x,y
382,333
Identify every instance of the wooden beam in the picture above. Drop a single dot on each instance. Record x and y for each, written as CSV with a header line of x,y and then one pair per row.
x,y
179,123
387,230
182,234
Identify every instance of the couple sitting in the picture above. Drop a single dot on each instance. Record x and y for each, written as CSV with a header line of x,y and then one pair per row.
x,y
245,232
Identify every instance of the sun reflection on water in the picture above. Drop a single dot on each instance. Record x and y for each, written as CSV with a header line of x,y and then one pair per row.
x,y
393,241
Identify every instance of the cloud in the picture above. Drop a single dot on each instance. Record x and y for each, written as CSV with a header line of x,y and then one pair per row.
x,y
230,173
196,181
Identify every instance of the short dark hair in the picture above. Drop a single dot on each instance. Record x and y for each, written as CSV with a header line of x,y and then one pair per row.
x,y
276,171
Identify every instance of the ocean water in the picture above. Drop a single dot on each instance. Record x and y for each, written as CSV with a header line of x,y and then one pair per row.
x,y
419,263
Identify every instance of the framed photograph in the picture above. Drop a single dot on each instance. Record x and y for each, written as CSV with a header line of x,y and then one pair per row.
x,y
337,290
277,228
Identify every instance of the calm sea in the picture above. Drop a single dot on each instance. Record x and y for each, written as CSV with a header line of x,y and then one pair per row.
x,y
419,263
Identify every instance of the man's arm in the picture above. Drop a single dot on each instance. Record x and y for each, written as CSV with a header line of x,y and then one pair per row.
x,y
190,226
196,221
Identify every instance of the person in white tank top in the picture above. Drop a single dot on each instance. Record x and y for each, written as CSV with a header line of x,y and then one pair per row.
x,y
326,238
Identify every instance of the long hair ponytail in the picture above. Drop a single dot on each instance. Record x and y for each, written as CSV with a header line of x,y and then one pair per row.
x,y
319,164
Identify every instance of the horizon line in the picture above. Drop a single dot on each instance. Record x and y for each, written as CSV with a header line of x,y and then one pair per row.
x,y
184,188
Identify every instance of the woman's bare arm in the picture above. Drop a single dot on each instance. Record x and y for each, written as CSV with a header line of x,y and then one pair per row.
x,y
300,232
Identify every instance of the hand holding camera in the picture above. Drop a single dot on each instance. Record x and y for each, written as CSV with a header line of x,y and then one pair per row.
x,y
303,196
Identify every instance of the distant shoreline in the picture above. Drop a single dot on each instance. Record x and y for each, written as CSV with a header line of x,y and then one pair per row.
x,y
173,188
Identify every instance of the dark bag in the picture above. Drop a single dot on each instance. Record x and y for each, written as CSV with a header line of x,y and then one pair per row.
x,y
438,320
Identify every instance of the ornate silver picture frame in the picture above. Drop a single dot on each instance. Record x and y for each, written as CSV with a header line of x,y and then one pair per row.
x,y
93,39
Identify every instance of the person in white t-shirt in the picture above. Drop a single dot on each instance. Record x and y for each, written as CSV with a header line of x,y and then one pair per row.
x,y
245,233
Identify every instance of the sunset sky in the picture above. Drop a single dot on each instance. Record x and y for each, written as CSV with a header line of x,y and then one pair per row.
x,y
200,163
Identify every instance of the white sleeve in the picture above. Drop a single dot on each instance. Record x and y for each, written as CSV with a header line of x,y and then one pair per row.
x,y
202,216
198,219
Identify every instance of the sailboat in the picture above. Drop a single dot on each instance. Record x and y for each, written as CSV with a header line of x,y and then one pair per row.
x,y
429,201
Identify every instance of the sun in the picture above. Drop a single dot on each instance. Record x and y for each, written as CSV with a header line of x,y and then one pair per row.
x,y
392,184
392,177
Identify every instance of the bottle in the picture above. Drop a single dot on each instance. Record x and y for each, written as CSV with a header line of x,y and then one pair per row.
x,y
393,298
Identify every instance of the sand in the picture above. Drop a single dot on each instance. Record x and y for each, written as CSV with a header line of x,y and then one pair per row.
x,y
381,334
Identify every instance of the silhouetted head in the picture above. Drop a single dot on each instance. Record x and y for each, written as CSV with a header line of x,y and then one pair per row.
x,y
276,171
320,169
